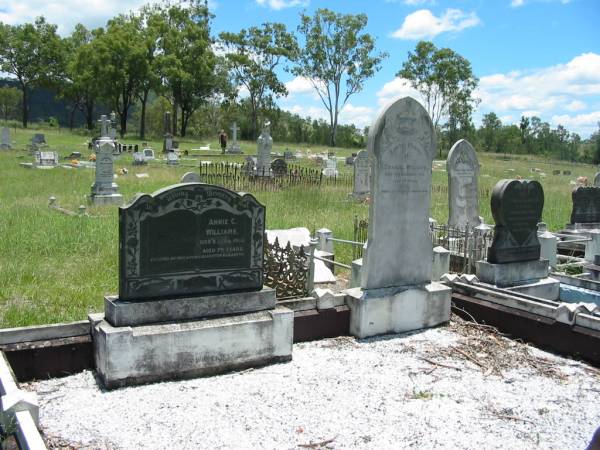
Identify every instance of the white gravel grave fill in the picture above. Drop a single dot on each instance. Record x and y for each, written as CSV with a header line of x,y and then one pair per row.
x,y
342,393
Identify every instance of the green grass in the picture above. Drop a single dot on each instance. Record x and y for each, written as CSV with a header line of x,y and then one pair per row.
x,y
56,268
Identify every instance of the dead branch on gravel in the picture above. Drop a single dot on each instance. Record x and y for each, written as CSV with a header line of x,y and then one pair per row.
x,y
494,353
318,444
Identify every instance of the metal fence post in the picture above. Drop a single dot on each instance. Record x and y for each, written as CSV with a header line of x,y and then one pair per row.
x,y
310,278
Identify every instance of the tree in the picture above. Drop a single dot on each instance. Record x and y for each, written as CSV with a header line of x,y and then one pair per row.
x,y
190,71
10,98
490,131
337,58
444,79
118,64
32,53
253,55
78,84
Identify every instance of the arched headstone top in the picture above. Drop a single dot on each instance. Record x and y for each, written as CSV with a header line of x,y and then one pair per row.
x,y
462,157
402,126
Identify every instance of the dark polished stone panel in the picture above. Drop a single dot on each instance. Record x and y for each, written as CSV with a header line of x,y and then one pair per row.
x,y
586,205
279,168
517,208
190,239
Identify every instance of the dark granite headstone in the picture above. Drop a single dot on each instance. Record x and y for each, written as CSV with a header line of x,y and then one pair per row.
x,y
586,205
517,208
279,168
190,239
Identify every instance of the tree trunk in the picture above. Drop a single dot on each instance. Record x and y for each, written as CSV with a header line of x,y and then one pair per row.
x,y
72,117
174,124
143,118
185,118
89,115
25,104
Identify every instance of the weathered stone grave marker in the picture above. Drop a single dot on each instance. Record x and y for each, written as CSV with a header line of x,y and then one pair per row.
x,y
396,291
189,253
513,260
597,179
331,166
586,206
463,195
362,175
235,146
172,158
190,177
104,190
279,168
263,155
46,159
5,140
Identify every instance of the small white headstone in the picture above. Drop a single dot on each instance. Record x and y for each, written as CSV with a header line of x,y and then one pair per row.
x,y
463,196
362,174
172,158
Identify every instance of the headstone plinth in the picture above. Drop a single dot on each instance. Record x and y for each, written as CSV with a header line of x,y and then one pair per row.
x,y
190,290
104,190
396,293
513,259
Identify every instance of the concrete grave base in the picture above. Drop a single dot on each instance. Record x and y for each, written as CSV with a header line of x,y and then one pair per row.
x,y
383,311
548,288
109,199
512,274
144,354
120,313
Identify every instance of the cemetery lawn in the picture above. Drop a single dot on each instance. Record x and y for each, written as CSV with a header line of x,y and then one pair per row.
x,y
57,268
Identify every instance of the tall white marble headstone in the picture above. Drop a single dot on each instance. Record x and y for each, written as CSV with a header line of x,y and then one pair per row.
x,y
362,175
263,152
396,293
401,148
463,195
5,139
112,128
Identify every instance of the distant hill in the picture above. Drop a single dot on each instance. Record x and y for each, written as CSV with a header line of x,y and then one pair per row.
x,y
43,104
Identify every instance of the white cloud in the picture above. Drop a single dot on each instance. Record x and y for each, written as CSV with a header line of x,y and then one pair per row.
x,y
576,105
582,123
419,2
360,116
397,88
299,85
545,92
281,4
67,13
423,24
518,3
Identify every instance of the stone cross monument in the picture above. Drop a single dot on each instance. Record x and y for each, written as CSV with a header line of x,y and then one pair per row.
x,y
105,190
234,147
396,292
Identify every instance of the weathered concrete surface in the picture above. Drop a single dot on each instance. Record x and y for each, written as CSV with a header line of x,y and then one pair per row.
x,y
441,262
141,312
412,309
512,274
548,288
135,355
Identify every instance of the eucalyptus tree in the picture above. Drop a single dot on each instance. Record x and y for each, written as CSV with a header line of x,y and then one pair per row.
x,y
254,54
338,58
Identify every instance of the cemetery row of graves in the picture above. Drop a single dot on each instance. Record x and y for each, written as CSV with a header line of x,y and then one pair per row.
x,y
207,281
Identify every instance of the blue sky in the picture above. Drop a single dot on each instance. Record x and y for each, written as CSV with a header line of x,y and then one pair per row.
x,y
533,57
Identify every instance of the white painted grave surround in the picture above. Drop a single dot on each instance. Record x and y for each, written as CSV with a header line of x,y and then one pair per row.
x,y
463,195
